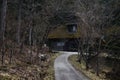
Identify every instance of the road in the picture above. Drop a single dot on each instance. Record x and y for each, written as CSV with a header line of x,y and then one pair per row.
x,y
64,70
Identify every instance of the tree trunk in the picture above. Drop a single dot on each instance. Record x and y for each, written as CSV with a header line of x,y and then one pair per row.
x,y
3,54
79,52
30,41
11,55
3,24
19,24
97,62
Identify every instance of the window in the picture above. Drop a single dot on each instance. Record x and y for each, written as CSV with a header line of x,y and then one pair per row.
x,y
72,28
60,44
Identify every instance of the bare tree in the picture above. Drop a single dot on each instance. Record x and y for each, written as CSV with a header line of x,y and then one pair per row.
x,y
3,25
95,17
19,22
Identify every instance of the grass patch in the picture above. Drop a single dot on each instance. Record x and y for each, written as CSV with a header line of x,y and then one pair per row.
x,y
5,78
50,70
3,68
24,71
81,67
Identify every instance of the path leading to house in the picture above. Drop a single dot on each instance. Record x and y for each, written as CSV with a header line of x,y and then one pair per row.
x,y
64,70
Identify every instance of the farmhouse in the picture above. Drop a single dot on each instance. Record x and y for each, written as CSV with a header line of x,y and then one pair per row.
x,y
64,37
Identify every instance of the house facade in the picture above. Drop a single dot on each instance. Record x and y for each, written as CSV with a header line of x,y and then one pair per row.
x,y
64,38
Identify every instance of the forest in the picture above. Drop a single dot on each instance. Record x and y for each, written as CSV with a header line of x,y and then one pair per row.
x,y
25,25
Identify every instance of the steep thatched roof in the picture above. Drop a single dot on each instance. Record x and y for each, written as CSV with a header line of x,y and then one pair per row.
x,y
62,32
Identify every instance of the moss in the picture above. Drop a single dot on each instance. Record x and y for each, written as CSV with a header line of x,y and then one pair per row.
x,y
4,68
62,32
5,78
50,70
81,67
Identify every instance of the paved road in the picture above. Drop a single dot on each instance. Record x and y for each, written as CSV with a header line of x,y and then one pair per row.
x,y
64,70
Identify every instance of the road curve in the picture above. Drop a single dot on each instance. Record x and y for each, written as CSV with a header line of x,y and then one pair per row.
x,y
64,70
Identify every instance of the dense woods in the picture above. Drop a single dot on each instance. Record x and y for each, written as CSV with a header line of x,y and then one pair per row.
x,y
97,18
25,25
